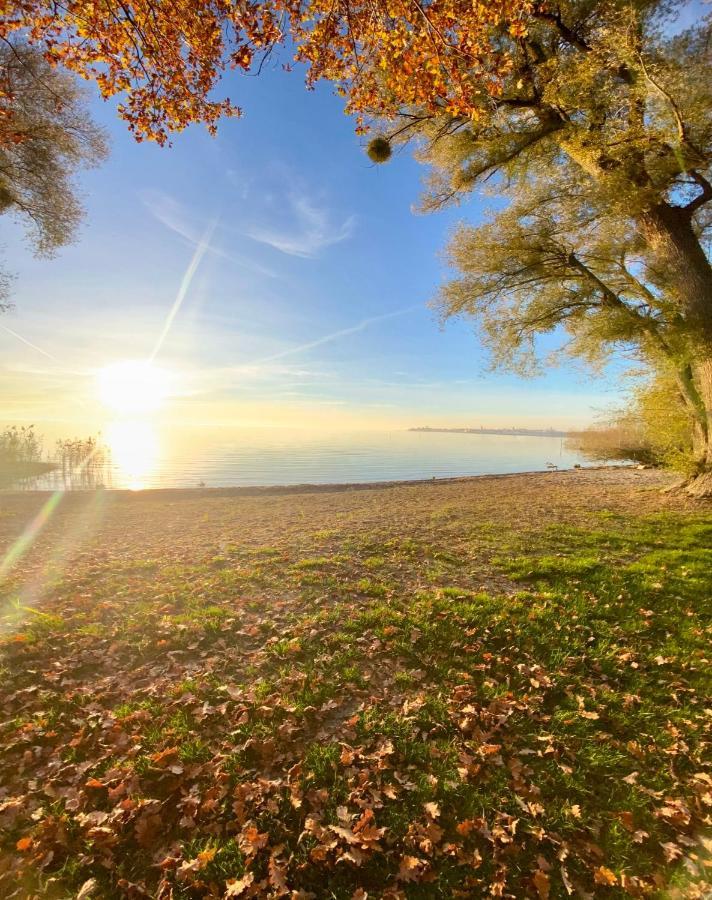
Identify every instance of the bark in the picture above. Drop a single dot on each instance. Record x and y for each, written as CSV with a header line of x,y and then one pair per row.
x,y
669,233
693,401
700,485
704,381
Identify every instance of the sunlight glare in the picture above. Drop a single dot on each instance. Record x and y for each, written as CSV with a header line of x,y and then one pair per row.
x,y
134,450
133,386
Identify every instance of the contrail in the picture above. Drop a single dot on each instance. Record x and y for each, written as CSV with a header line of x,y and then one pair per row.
x,y
344,332
201,249
29,343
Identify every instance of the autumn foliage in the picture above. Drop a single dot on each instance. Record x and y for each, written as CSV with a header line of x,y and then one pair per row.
x,y
165,58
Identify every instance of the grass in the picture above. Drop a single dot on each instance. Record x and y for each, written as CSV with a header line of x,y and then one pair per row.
x,y
443,707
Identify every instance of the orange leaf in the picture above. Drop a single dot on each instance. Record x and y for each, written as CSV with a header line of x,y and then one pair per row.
x,y
206,856
541,883
411,868
163,757
24,844
626,820
603,875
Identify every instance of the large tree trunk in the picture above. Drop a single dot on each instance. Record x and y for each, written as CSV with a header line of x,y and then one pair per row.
x,y
669,233
701,485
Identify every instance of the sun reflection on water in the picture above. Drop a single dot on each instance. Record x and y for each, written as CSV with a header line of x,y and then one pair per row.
x,y
135,452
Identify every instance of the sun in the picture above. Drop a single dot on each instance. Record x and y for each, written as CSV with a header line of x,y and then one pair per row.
x,y
133,386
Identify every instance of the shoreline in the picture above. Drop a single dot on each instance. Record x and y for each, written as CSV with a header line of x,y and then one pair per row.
x,y
318,488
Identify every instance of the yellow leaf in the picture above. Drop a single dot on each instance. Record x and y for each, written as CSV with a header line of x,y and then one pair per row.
x,y
207,856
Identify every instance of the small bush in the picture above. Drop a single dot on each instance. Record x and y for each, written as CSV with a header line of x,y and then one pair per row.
x,y
654,429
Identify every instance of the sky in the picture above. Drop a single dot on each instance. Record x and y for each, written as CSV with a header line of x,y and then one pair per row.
x,y
274,273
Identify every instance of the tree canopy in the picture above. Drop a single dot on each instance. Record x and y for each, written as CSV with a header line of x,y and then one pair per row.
x,y
45,135
166,56
601,145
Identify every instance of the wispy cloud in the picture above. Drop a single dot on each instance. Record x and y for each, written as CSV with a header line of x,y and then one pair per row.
x,y
174,216
311,228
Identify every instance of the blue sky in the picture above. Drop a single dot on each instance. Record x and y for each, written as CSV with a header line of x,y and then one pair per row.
x,y
308,307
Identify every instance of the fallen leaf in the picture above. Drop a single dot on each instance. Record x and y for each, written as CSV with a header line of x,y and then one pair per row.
x,y
206,856
566,881
671,851
626,820
164,757
603,875
277,875
87,889
411,868
542,884
236,888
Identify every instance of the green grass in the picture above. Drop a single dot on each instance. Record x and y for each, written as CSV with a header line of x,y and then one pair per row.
x,y
372,718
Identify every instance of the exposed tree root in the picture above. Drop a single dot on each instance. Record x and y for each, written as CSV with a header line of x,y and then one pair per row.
x,y
700,487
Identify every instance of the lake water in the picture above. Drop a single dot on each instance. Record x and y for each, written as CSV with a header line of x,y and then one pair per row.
x,y
141,456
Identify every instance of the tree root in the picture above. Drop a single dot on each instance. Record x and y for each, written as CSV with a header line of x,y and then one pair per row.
x,y
699,487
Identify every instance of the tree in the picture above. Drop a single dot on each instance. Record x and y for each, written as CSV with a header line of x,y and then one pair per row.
x,y
45,135
602,141
166,56
555,259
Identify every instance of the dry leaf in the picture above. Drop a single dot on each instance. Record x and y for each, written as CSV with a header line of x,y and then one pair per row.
x,y
542,884
236,888
277,875
411,868
603,875
87,889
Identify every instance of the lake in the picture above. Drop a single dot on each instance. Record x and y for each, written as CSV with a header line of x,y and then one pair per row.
x,y
142,456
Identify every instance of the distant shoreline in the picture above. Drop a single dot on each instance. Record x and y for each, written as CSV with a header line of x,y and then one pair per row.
x,y
523,432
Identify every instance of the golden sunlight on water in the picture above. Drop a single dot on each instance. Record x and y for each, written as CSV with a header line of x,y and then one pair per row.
x,y
134,448
133,388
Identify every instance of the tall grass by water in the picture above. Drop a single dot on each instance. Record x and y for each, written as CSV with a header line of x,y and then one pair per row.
x,y
75,463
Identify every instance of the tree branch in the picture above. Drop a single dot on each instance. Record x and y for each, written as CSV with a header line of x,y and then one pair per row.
x,y
702,198
568,34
